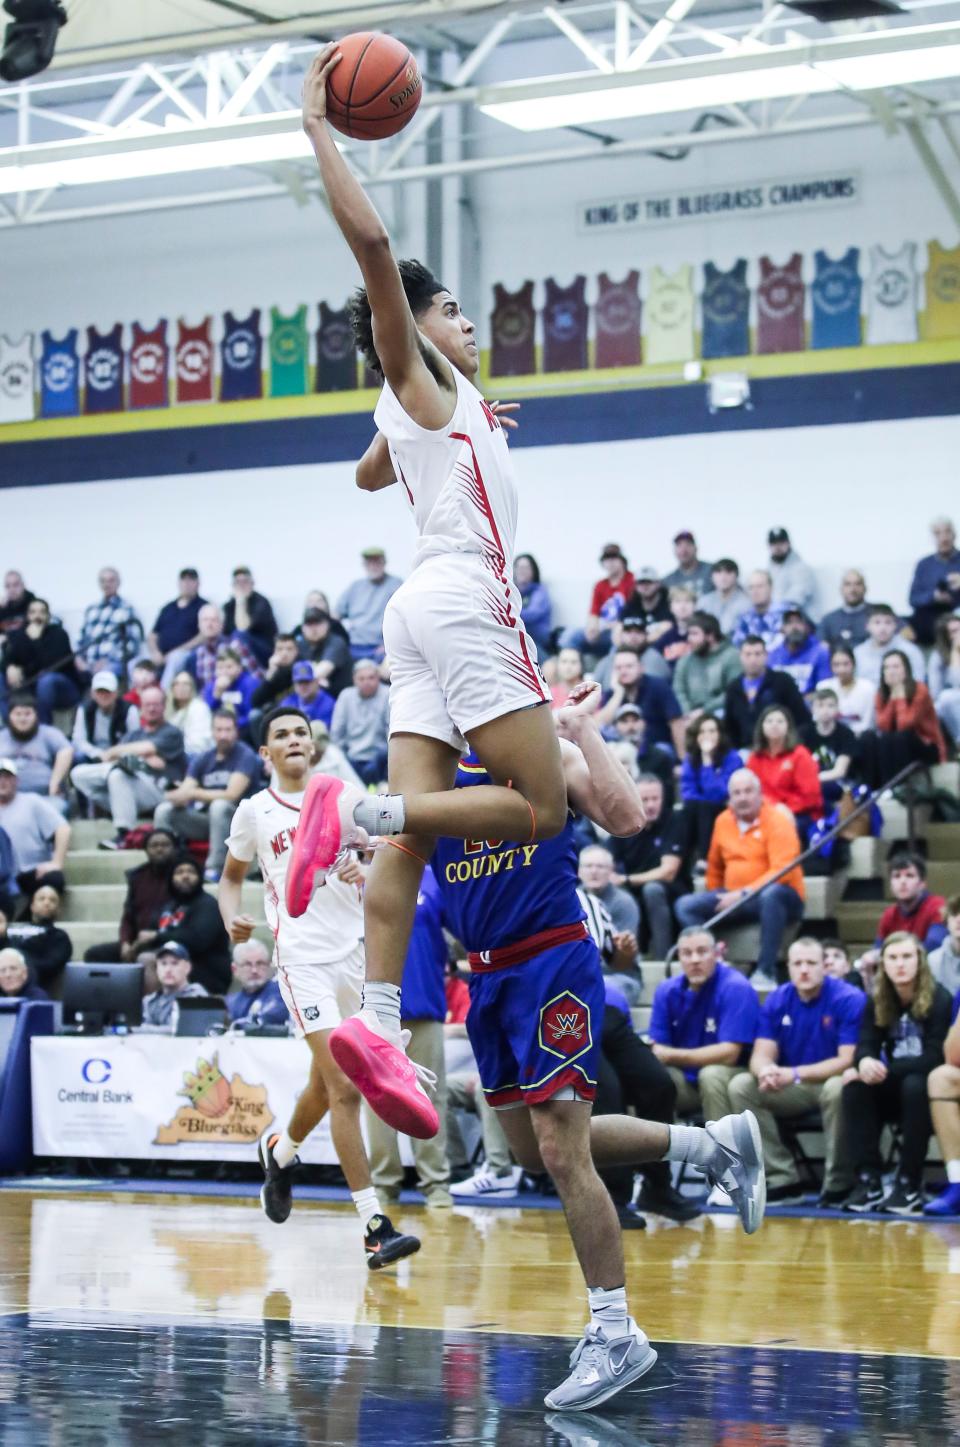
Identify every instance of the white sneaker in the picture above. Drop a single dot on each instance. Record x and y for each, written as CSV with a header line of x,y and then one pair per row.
x,y
736,1167
487,1183
718,1197
601,1367
762,982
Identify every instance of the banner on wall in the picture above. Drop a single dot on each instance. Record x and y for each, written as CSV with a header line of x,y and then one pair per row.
x,y
154,1097
783,194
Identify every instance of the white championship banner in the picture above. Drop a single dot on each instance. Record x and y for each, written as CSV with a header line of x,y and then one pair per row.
x,y
156,1097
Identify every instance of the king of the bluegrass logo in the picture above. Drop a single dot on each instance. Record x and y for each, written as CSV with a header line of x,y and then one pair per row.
x,y
565,1026
222,1111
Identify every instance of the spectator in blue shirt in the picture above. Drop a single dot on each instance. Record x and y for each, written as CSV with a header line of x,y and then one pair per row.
x,y
536,607
764,618
935,589
308,695
708,765
654,697
175,632
258,996
807,1037
424,1011
232,686
801,654
203,804
703,1025
362,605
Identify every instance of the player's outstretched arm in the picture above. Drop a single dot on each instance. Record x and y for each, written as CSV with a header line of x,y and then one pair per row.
x,y
238,926
597,783
375,469
400,347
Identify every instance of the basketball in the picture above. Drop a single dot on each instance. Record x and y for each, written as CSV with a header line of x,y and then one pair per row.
x,y
375,90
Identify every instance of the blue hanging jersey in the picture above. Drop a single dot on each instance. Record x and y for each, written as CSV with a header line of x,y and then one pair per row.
x,y
241,366
836,300
59,376
496,893
726,311
103,370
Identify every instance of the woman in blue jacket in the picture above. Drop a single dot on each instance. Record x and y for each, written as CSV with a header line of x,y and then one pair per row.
x,y
704,779
536,608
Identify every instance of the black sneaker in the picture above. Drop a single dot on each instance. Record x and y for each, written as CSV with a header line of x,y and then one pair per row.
x,y
833,1200
384,1244
116,842
789,1195
865,1196
630,1218
667,1201
276,1193
903,1199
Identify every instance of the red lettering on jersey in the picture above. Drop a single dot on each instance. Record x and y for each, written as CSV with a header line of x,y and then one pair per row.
x,y
476,846
492,420
279,844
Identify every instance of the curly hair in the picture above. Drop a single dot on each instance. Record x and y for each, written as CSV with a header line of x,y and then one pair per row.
x,y
886,1001
420,287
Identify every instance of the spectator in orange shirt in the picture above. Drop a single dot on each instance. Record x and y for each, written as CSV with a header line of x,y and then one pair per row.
x,y
906,725
787,770
751,842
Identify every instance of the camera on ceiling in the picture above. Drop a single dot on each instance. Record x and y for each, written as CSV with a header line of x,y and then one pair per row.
x,y
31,37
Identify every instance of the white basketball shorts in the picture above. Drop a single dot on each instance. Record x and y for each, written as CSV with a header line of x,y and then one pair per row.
x,y
318,997
459,654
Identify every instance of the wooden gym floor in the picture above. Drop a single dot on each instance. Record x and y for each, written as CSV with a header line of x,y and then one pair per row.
x,y
135,1318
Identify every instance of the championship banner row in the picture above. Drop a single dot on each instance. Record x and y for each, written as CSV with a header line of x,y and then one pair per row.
x,y
562,331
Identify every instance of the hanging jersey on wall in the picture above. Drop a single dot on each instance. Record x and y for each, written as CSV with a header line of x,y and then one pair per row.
x,y
617,317
892,296
103,370
513,332
726,311
669,316
288,353
337,352
835,299
59,376
942,282
16,379
241,351
149,366
780,297
565,316
194,362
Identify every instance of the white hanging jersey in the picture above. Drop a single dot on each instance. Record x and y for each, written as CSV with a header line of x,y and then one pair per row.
x,y
16,380
892,296
264,828
458,478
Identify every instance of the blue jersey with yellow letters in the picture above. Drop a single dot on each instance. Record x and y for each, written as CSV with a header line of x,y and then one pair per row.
x,y
496,893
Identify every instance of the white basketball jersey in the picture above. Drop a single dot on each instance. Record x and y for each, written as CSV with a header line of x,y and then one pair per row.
x,y
892,296
458,479
264,827
16,380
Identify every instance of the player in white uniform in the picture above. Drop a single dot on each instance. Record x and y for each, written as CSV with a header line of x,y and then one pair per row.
x,y
319,962
462,665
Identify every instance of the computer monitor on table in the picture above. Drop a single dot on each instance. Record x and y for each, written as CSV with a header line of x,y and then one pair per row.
x,y
98,995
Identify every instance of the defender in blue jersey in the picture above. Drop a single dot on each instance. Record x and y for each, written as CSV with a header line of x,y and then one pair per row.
x,y
535,1020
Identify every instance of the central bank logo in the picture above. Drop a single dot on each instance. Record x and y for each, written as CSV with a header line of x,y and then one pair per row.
x,y
96,1071
222,1111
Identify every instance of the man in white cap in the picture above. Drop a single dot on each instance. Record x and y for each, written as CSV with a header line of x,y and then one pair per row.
x,y
102,719
38,832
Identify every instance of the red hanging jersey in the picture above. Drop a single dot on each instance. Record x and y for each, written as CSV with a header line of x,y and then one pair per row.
x,y
780,306
149,359
194,362
618,321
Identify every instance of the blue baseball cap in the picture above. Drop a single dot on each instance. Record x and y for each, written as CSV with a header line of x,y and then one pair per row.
x,y
303,672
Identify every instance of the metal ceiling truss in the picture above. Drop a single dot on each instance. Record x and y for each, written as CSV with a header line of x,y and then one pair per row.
x,y
253,91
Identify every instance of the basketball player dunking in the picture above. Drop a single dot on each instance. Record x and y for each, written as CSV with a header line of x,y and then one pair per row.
x,y
462,666
535,1022
319,961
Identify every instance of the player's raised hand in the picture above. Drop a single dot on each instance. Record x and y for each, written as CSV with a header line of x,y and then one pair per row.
x,y
315,84
351,871
500,409
583,701
242,927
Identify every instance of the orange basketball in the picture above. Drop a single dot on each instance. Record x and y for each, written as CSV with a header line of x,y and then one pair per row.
x,y
375,90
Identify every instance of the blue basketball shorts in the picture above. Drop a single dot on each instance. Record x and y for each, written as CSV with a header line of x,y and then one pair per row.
x,y
535,1027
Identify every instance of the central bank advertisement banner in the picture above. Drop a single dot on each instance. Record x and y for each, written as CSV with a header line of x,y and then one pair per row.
x,y
155,1097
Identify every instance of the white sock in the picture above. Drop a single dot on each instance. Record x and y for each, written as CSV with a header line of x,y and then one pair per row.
x,y
384,999
608,1310
689,1143
367,1205
285,1149
953,1172
380,814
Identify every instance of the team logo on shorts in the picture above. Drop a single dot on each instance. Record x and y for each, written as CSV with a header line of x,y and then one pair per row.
x,y
565,1026
312,1012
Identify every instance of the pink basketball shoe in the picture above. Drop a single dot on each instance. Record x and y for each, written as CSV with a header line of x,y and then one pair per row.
x,y
326,827
380,1069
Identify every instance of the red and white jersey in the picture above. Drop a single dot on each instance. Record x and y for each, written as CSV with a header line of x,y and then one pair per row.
x,y
264,828
457,479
